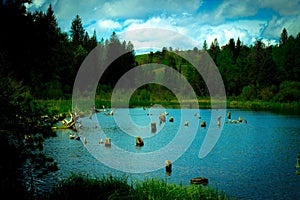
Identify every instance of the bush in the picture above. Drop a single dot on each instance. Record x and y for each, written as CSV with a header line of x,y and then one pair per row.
x,y
289,91
249,93
23,128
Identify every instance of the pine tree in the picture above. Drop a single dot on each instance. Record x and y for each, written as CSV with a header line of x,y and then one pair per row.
x,y
283,37
214,49
77,31
204,47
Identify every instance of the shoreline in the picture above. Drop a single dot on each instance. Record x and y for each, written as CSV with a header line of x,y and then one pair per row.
x,y
65,105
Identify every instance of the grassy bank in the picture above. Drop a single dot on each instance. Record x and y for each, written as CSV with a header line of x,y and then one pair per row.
x,y
65,106
284,108
108,187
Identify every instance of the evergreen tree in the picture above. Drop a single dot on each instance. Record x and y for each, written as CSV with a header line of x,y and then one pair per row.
x,y
283,37
204,47
237,48
214,49
77,31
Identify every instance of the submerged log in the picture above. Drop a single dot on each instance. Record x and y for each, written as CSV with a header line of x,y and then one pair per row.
x,y
199,180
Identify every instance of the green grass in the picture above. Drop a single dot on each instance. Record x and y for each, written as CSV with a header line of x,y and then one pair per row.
x,y
60,105
65,106
284,108
109,187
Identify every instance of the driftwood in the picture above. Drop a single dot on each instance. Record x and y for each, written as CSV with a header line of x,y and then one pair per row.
x,y
69,124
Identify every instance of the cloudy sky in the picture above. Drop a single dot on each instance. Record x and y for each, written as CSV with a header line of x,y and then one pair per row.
x,y
199,20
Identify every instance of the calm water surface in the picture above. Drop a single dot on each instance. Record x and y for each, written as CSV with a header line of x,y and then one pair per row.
x,y
253,160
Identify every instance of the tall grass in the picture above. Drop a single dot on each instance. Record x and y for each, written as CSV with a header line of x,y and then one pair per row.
x,y
288,108
109,187
60,105
159,189
65,106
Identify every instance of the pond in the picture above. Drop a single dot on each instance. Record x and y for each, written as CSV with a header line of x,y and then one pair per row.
x,y
254,159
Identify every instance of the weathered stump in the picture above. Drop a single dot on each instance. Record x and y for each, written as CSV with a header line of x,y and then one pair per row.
x,y
107,142
240,120
219,120
162,118
168,167
229,115
139,142
153,127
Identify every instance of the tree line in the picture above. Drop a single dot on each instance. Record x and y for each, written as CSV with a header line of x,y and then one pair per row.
x,y
254,72
35,51
38,60
45,59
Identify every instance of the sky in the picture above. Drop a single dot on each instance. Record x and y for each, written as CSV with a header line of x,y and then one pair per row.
x,y
198,20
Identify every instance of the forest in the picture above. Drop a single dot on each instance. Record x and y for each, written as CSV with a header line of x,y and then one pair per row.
x,y
40,61
35,52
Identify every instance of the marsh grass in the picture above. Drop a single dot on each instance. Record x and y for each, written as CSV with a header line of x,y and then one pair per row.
x,y
278,107
65,105
109,187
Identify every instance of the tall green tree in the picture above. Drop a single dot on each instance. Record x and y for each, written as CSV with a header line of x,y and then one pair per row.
x,y
77,31
283,37
214,49
204,47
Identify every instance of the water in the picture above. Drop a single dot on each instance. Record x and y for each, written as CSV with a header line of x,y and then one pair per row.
x,y
253,160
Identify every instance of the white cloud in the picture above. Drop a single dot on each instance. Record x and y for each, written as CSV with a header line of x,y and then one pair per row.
x,y
276,25
109,24
227,19
248,31
156,38
137,8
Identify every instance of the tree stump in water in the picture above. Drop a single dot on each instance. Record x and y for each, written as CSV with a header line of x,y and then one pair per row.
x,y
153,127
107,142
168,167
139,142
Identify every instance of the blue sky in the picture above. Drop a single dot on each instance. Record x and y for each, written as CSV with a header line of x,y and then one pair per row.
x,y
199,20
